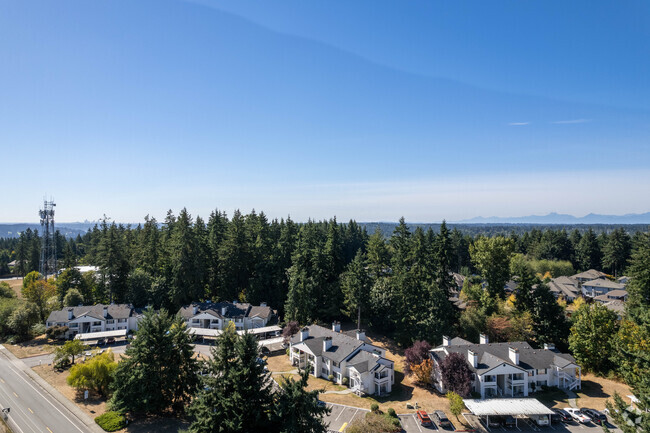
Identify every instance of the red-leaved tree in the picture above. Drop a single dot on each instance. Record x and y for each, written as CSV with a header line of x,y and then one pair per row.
x,y
290,329
456,374
415,355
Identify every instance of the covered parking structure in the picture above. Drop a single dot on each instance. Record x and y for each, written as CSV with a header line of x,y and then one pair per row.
x,y
260,333
514,407
103,334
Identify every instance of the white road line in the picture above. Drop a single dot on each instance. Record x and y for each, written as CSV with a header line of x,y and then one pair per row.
x,y
340,413
417,423
17,410
44,398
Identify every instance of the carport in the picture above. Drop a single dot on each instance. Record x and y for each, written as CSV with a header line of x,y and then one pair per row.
x,y
102,334
507,407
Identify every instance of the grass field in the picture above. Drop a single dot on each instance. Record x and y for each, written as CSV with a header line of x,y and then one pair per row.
x,y
16,286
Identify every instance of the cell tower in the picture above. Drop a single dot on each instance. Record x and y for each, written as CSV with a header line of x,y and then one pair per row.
x,y
48,243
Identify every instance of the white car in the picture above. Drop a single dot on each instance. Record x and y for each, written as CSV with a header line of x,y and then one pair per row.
x,y
577,415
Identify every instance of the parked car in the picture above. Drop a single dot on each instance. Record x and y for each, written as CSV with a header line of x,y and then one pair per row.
x,y
110,340
577,415
441,419
101,341
540,419
561,415
510,421
495,421
424,418
597,417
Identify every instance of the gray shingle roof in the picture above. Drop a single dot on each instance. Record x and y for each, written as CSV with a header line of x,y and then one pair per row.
x,y
115,311
611,285
363,361
492,355
343,345
233,311
591,274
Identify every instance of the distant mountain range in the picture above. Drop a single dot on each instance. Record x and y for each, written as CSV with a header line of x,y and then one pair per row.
x,y
66,229
556,218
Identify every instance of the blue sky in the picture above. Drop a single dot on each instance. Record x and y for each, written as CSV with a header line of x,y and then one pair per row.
x,y
368,110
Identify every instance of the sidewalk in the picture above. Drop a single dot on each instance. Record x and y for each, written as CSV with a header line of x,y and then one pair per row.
x,y
52,392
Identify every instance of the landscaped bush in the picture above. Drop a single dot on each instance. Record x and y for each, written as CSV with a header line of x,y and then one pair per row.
x,y
374,407
38,329
330,377
391,412
56,332
345,381
111,421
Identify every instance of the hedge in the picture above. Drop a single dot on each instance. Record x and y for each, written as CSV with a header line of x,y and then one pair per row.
x,y
111,421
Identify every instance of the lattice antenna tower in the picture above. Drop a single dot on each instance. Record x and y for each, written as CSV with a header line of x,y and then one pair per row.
x,y
48,243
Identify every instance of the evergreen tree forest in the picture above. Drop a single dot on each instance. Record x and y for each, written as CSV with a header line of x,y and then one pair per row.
x,y
314,271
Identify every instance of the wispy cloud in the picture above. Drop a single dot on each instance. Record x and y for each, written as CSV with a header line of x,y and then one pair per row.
x,y
569,122
518,123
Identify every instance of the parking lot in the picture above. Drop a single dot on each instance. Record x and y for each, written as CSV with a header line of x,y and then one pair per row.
x,y
341,417
528,426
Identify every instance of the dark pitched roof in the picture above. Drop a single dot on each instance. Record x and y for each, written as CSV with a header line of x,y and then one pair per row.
x,y
343,345
492,355
363,361
233,311
115,311
591,274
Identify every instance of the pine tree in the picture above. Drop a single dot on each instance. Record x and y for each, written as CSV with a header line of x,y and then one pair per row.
x,y
443,258
297,410
355,284
616,251
588,253
158,372
236,394
234,259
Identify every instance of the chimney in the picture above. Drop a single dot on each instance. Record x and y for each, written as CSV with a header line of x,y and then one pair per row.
x,y
223,311
70,313
105,311
361,335
262,304
472,357
304,333
514,355
327,343
445,340
336,326
484,339
195,309
549,346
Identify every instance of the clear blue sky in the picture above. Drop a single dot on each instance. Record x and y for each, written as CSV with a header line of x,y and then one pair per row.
x,y
368,109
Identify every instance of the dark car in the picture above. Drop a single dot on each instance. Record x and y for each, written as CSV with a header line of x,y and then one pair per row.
x,y
597,417
560,415
101,341
495,421
424,418
509,421
110,340
441,419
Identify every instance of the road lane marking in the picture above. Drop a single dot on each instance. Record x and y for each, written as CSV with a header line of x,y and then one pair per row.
x,y
15,393
2,381
30,409
20,375
48,429
345,424
340,413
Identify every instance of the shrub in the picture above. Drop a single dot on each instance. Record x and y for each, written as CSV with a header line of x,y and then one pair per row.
x,y
345,381
111,421
415,355
56,332
391,412
330,377
38,329
374,407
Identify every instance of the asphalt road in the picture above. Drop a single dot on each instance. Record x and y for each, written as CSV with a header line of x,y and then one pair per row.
x,y
33,409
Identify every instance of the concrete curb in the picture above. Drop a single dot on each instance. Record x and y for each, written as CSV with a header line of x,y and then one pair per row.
x,y
52,392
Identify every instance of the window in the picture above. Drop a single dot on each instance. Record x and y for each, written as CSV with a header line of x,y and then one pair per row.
x,y
49,324
74,325
489,379
121,320
518,376
110,321
531,373
335,364
541,371
97,323
325,370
